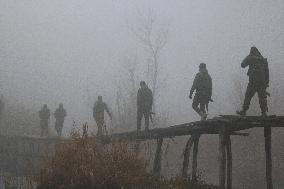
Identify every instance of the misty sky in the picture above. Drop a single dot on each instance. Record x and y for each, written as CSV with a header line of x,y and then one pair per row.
x,y
52,51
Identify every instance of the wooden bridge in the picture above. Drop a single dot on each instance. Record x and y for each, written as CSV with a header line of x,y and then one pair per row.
x,y
224,126
18,155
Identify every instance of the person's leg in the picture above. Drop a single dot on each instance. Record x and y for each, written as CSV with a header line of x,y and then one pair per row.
x,y
195,104
202,109
45,127
262,100
139,119
100,127
147,117
248,96
60,129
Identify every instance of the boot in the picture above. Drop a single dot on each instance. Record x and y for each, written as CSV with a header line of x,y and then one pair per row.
x,y
241,113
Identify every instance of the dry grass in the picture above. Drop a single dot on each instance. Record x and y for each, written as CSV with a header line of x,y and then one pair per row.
x,y
83,163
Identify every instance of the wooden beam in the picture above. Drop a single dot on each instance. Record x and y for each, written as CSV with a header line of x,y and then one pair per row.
x,y
222,157
194,157
229,162
267,136
186,155
158,158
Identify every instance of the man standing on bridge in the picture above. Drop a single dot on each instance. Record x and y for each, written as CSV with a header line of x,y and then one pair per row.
x,y
98,113
44,115
203,85
258,74
59,114
144,105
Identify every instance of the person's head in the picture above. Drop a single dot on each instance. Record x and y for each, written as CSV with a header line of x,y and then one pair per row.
x,y
45,106
143,84
254,51
60,105
202,67
100,98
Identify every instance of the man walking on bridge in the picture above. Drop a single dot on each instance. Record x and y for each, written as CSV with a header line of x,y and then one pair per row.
x,y
59,114
98,114
202,84
258,74
144,105
44,115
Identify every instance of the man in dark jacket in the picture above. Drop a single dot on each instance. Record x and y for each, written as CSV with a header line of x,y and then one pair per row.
x,y
258,74
202,84
59,114
44,115
98,113
144,105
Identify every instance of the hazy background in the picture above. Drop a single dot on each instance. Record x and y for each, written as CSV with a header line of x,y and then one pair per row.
x,y
70,51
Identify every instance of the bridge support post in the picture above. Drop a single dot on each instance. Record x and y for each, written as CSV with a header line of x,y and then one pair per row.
x,y
267,136
194,157
186,155
222,157
158,158
137,147
229,161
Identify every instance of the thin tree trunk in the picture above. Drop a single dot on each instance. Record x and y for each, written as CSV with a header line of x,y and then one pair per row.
x,y
222,158
186,156
194,158
158,158
229,162
267,135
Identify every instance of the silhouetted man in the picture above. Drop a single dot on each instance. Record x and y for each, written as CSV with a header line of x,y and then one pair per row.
x,y
98,113
202,84
44,115
59,114
144,105
258,74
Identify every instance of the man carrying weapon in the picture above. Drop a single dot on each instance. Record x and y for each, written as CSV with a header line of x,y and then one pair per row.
x,y
59,114
44,115
144,105
258,74
98,113
202,84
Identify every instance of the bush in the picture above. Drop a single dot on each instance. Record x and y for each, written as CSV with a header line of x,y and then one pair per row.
x,y
83,163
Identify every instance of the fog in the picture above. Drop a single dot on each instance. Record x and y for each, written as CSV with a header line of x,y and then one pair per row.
x,y
71,51
52,51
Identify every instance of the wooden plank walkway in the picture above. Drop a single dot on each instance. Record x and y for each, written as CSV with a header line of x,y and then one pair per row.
x,y
232,123
224,126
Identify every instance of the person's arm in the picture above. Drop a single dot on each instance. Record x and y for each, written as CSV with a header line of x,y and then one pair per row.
x,y
245,62
151,98
210,88
138,98
48,114
194,85
107,110
94,111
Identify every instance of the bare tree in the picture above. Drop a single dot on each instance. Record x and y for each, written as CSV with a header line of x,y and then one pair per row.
x,y
126,93
154,39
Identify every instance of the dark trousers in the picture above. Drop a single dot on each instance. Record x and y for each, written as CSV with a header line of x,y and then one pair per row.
x,y
250,92
59,126
140,114
44,128
196,103
100,124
